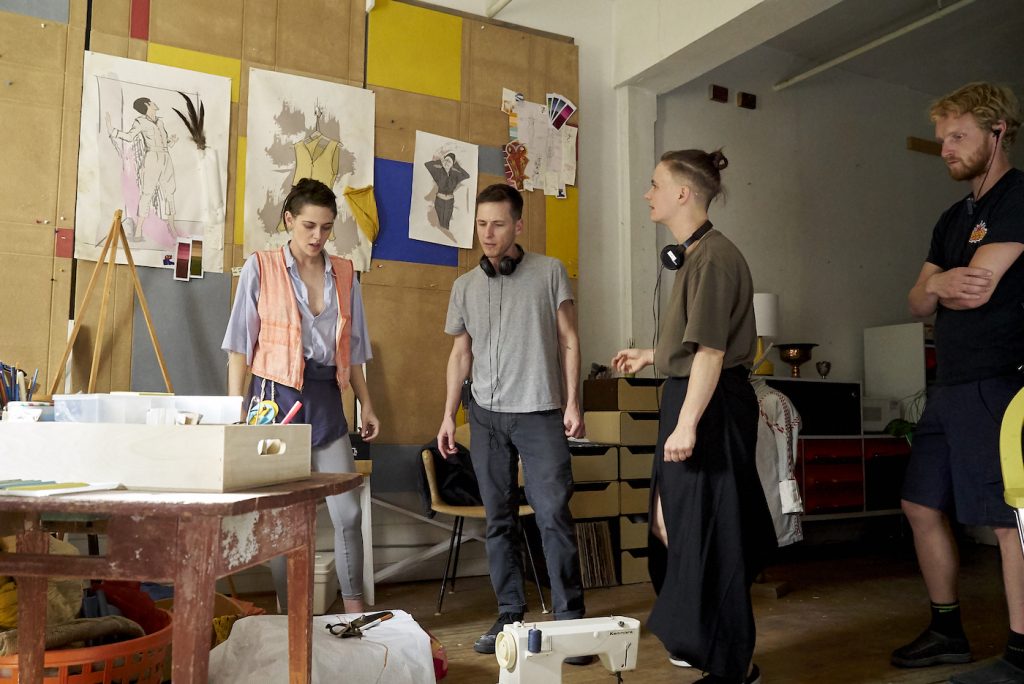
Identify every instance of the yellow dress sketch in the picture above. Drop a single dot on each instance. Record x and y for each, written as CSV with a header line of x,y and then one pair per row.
x,y
316,157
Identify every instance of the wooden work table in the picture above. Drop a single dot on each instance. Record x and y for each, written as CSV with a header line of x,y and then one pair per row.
x,y
190,539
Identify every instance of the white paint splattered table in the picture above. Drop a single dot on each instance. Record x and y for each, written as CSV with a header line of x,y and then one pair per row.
x,y
190,539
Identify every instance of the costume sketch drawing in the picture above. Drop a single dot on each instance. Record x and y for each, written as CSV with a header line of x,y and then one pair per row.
x,y
444,182
154,143
307,128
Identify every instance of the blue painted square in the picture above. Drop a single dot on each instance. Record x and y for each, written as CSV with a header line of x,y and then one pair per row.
x,y
393,191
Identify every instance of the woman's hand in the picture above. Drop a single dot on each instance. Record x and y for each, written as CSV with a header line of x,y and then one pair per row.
x,y
371,425
632,360
679,445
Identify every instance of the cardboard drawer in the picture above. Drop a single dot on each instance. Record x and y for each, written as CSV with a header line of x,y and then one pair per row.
x,y
200,458
633,532
622,427
595,500
594,462
634,567
634,497
636,462
621,394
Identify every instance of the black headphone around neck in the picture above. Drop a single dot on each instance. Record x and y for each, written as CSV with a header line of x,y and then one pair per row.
x,y
506,265
672,255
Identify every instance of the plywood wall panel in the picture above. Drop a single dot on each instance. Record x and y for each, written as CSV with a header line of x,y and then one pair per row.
x,y
405,274
213,27
30,139
67,179
138,49
108,44
410,355
400,114
60,305
112,17
498,58
485,125
26,239
259,31
25,282
314,36
30,41
19,83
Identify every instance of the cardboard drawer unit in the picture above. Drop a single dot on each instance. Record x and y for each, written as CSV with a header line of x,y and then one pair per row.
x,y
636,462
634,496
633,532
198,458
621,394
595,500
594,462
634,566
622,427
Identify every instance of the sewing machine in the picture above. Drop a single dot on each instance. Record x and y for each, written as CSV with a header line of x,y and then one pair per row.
x,y
533,652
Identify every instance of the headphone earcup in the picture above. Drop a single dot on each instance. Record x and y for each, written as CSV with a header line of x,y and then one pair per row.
x,y
672,257
487,267
507,265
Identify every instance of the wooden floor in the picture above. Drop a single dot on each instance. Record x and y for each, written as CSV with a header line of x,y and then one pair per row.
x,y
848,607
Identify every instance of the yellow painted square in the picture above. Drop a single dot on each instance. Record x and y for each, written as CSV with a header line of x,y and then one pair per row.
x,y
198,61
562,220
414,49
240,192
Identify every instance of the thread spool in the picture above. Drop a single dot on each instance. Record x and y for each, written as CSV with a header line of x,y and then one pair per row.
x,y
533,640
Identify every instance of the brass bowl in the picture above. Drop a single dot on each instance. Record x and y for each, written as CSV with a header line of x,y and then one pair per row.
x,y
795,354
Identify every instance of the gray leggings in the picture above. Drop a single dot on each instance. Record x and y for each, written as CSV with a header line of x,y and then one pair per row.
x,y
347,517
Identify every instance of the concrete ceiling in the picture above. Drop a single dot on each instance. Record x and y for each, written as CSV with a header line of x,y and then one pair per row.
x,y
983,40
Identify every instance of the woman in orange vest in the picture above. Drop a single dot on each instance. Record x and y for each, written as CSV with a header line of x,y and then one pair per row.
x,y
298,324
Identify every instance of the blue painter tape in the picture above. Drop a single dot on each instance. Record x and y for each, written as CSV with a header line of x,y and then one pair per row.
x,y
392,186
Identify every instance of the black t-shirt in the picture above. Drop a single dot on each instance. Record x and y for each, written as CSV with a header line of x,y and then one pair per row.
x,y
988,341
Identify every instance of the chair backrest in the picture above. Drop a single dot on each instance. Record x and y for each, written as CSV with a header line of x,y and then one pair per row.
x,y
1010,456
428,469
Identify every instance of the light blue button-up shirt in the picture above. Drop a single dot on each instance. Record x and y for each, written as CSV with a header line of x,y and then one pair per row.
x,y
319,333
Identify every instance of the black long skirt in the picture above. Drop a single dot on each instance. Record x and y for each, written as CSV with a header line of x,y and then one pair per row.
x,y
720,532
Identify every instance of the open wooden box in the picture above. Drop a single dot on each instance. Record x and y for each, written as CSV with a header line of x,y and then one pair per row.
x,y
202,458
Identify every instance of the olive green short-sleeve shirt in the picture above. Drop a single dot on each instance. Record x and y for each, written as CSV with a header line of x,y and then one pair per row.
x,y
711,305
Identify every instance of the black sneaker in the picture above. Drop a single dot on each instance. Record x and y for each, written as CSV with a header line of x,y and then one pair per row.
x,y
753,678
485,644
932,648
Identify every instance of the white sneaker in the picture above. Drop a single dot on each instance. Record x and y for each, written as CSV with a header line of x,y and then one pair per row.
x,y
678,662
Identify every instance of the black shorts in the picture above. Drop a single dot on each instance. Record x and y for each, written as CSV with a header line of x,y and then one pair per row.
x,y
954,463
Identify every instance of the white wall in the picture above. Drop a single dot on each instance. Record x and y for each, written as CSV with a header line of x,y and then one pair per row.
x,y
832,211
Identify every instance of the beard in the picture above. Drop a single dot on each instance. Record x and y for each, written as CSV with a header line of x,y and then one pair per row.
x,y
969,168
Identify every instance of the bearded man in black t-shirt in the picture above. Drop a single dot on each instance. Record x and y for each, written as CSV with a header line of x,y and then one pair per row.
x,y
973,281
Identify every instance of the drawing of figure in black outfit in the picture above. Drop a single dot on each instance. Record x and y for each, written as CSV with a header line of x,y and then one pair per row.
x,y
448,176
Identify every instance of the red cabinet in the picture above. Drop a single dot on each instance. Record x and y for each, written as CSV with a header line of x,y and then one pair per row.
x,y
851,475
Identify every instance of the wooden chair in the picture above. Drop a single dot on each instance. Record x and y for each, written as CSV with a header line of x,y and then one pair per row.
x,y
460,513
1012,459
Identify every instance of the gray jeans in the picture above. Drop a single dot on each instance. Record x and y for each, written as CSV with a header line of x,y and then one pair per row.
x,y
347,517
539,439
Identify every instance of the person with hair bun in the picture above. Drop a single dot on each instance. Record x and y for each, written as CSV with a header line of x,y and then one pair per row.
x,y
298,324
710,529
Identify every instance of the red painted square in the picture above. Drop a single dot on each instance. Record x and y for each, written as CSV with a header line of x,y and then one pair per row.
x,y
140,20
64,243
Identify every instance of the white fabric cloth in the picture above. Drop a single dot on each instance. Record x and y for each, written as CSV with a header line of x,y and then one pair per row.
x,y
394,652
777,432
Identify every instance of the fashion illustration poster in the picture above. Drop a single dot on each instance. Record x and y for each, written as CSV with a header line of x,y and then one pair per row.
x,y
302,127
444,179
154,144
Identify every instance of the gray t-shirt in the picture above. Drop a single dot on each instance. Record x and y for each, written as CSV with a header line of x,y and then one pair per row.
x,y
512,322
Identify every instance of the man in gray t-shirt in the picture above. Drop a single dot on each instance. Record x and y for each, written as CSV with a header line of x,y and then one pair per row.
x,y
514,323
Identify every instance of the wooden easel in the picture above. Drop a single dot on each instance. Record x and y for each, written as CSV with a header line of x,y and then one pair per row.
x,y
109,247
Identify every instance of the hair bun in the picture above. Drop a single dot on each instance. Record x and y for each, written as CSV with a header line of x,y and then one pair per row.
x,y
718,160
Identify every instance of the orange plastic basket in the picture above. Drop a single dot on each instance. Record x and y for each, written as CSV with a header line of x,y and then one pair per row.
x,y
136,661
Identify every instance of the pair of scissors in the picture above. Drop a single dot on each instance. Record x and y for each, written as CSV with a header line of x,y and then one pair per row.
x,y
345,630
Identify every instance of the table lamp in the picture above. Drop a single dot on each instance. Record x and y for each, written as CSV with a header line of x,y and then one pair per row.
x,y
766,323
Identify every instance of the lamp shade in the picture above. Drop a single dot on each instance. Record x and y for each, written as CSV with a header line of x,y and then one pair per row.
x,y
766,314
